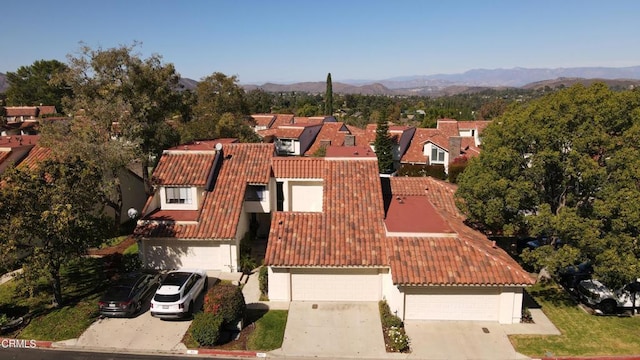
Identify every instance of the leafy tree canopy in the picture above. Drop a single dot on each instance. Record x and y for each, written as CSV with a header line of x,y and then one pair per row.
x,y
49,213
566,167
33,86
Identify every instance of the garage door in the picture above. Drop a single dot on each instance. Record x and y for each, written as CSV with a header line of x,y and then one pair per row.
x,y
183,254
335,285
453,304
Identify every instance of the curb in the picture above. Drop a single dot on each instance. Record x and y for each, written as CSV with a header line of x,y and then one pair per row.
x,y
234,353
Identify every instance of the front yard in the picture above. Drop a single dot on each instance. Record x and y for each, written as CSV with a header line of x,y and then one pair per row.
x,y
582,334
82,282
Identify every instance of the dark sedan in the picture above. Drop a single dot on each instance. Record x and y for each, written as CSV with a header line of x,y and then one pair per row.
x,y
125,297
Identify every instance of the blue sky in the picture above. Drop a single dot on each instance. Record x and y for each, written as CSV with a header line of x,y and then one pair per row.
x,y
303,40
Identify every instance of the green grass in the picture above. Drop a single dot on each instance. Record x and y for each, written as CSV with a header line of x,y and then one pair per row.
x,y
133,249
582,334
113,241
83,281
269,331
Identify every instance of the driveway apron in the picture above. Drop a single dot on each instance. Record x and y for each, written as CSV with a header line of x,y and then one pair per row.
x,y
331,329
459,340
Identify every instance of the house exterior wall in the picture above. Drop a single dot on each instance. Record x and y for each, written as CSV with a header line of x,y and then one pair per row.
x,y
263,206
393,295
279,284
511,305
427,152
305,196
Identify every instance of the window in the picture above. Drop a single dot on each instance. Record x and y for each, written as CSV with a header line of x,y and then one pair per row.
x,y
437,155
255,193
177,195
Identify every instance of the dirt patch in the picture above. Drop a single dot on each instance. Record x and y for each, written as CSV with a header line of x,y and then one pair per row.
x,y
118,249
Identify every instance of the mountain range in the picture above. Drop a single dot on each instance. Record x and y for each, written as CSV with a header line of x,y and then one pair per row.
x,y
450,84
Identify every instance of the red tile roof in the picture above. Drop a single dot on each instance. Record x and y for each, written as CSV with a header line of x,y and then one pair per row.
x,y
350,152
263,119
293,131
47,110
21,110
349,231
221,208
204,144
298,167
466,259
333,132
413,214
415,152
184,168
282,119
37,155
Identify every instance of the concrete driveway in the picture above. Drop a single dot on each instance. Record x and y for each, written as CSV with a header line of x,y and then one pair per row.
x,y
331,329
459,340
143,332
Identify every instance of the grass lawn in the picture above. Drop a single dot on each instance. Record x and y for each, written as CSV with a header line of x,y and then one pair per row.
x,y
582,334
269,331
83,281
115,241
264,331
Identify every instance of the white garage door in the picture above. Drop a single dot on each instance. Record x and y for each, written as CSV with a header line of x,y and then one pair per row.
x,y
335,285
453,304
181,254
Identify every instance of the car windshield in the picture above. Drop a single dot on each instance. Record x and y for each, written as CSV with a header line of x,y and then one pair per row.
x,y
166,298
117,293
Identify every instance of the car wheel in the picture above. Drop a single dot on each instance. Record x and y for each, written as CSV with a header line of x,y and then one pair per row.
x,y
608,306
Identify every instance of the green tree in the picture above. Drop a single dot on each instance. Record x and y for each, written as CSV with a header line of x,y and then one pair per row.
x,y
220,111
125,97
51,213
32,85
564,166
384,146
328,97
259,101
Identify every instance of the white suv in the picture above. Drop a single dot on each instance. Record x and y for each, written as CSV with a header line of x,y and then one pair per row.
x,y
177,294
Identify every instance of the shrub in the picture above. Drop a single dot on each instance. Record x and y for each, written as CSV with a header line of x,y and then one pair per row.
x,y
247,264
205,328
456,167
388,319
398,339
263,280
435,171
226,301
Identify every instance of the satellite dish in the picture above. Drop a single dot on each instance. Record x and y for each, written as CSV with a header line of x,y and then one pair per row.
x,y
218,146
132,213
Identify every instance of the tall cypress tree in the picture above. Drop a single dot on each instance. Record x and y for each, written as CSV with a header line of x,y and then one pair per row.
x,y
384,146
328,97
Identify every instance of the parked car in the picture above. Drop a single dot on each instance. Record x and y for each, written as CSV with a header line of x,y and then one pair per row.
x,y
125,297
573,274
599,296
177,294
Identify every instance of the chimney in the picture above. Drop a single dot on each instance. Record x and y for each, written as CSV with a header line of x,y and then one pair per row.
x,y
455,144
349,140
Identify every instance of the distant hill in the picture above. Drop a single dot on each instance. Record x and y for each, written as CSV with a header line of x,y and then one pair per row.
x,y
566,82
320,87
4,85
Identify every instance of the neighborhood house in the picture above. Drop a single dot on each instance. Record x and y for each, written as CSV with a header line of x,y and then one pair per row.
x,y
335,231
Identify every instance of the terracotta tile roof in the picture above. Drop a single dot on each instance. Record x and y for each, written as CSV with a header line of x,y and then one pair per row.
x,y
37,155
221,208
349,231
293,131
415,152
468,146
351,152
204,144
298,167
184,168
332,132
416,215
313,119
282,119
466,259
448,127
21,110
12,141
47,110
263,119
480,125
4,155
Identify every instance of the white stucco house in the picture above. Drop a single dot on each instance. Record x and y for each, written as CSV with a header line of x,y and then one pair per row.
x,y
336,231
